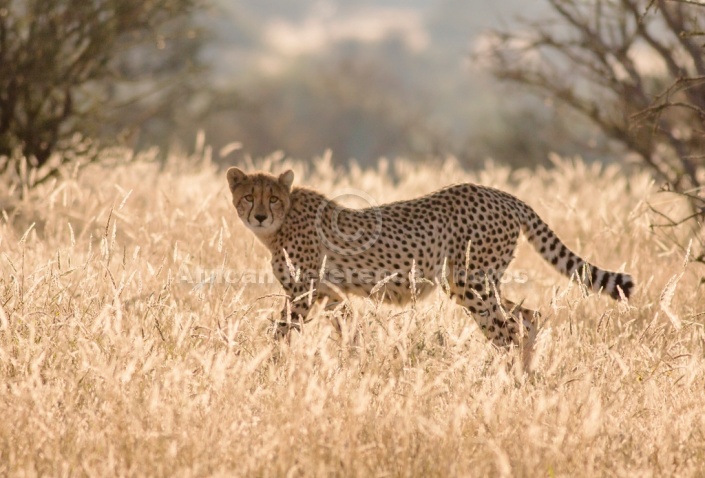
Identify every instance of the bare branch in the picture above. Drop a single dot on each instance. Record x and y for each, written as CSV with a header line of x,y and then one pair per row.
x,y
601,60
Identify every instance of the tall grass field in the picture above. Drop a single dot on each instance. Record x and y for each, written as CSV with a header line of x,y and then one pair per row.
x,y
136,340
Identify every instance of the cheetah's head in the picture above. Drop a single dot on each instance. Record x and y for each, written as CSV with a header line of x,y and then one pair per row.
x,y
261,200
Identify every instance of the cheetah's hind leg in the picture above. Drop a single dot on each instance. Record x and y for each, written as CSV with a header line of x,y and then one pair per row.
x,y
529,320
508,325
527,317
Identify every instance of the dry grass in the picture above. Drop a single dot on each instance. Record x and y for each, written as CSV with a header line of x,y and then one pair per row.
x,y
111,364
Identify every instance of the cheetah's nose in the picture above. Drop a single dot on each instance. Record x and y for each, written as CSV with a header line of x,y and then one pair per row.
x,y
261,217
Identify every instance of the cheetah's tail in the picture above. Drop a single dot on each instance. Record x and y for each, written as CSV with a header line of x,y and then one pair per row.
x,y
566,261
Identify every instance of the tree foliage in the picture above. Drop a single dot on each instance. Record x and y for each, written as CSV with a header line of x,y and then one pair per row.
x,y
66,65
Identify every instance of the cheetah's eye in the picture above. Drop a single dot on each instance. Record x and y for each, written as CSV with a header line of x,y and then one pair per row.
x,y
249,198
273,200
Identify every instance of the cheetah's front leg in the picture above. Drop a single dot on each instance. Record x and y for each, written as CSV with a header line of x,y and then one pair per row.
x,y
300,298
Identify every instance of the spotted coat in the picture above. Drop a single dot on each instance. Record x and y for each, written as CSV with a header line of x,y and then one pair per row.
x,y
462,238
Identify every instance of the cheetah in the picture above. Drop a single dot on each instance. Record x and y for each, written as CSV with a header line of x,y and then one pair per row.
x,y
461,238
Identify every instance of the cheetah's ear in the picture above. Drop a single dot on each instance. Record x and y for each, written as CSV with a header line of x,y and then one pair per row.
x,y
286,179
235,177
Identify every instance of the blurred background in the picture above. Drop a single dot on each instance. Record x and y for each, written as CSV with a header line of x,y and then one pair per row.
x,y
510,80
365,79
368,79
